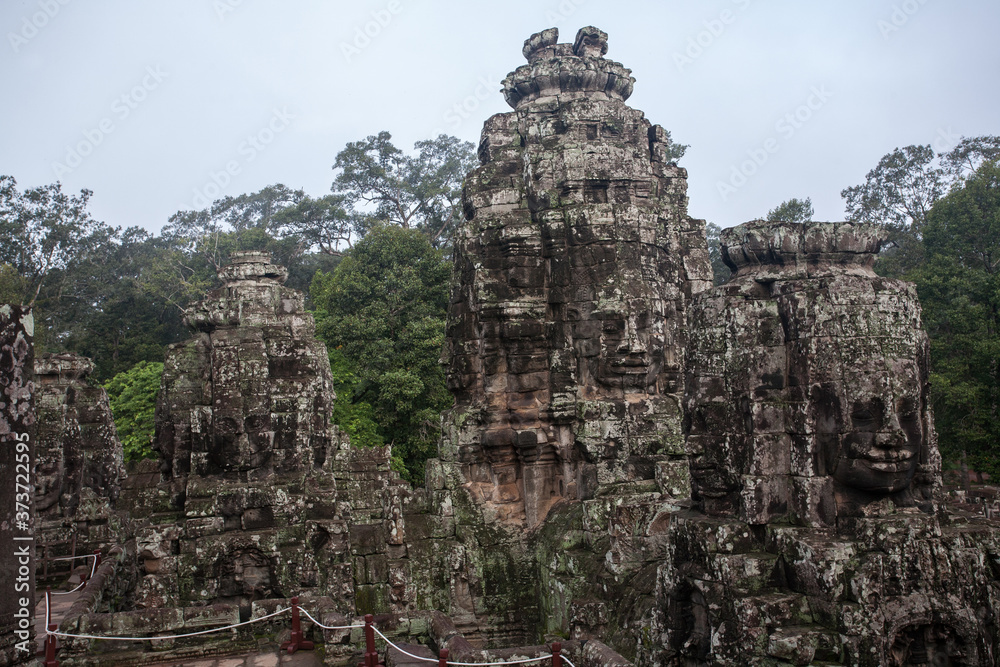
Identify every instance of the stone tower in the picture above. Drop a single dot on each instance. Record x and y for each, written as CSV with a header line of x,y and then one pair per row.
x,y
80,462
245,446
808,381
250,394
574,270
822,535
78,447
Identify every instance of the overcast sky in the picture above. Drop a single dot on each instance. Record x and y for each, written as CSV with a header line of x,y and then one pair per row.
x,y
149,102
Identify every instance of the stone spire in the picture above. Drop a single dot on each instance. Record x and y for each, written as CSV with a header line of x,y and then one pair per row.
x,y
574,268
250,394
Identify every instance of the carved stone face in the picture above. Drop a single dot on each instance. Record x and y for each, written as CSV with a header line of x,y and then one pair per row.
x,y
631,345
873,433
880,452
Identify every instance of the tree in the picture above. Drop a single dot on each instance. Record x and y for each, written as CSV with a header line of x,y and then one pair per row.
x,y
45,231
133,400
900,191
246,222
792,210
382,314
256,210
965,159
124,311
959,289
275,219
322,224
381,184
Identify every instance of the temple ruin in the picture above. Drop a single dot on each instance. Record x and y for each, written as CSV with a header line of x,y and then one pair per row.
x,y
653,469
574,269
819,534
79,463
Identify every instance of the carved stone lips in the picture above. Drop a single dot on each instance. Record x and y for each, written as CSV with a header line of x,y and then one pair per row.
x,y
891,466
636,364
890,460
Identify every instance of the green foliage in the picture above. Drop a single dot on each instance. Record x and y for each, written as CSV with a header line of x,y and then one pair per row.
x,y
357,418
322,223
792,210
118,311
900,191
720,272
382,184
44,231
959,289
133,402
383,309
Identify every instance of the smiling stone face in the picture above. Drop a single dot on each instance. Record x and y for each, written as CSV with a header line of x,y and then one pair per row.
x,y
807,396
632,342
875,454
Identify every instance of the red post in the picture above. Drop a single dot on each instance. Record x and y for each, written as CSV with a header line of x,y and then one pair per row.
x,y
443,660
556,657
50,647
297,641
371,656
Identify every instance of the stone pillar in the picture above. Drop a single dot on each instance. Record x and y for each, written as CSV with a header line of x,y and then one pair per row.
x,y
17,433
574,269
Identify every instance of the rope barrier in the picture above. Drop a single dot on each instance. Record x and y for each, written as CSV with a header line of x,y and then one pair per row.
x,y
83,581
78,587
52,631
465,664
190,634
329,627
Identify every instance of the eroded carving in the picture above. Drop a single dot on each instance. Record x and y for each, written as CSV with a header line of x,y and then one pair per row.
x,y
808,382
574,267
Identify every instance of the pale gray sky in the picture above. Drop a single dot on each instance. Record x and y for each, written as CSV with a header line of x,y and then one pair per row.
x,y
777,99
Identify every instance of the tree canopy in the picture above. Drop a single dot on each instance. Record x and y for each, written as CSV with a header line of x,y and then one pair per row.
x,y
792,210
899,192
959,289
381,184
133,400
382,314
45,231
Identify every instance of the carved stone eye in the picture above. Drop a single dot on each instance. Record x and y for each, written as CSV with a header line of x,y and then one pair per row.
x,y
907,410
